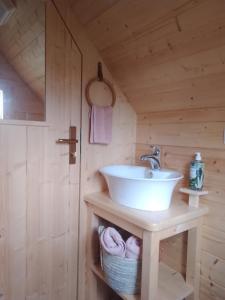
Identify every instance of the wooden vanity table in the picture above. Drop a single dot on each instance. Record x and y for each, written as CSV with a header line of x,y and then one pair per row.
x,y
159,282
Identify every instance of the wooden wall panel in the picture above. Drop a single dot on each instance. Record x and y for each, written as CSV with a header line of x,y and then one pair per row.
x,y
13,212
180,117
39,215
213,269
193,135
211,290
179,138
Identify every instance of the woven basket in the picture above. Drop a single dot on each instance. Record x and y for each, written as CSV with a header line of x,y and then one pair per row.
x,y
123,275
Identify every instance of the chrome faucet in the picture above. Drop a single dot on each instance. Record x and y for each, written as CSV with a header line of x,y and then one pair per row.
x,y
153,158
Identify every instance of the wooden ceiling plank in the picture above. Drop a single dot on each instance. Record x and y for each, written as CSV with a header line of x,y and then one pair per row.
x,y
166,44
133,18
128,19
87,11
195,93
197,65
193,85
208,11
157,50
139,47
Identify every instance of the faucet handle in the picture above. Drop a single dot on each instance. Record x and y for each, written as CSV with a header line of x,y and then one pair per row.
x,y
155,150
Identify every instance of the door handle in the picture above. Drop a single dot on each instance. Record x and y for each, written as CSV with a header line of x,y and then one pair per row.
x,y
66,141
72,141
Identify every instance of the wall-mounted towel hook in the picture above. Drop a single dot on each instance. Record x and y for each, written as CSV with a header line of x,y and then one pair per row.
x,y
100,78
100,74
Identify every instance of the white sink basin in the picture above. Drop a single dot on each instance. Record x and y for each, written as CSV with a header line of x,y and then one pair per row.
x,y
140,187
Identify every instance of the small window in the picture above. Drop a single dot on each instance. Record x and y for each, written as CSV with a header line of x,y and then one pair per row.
x,y
1,105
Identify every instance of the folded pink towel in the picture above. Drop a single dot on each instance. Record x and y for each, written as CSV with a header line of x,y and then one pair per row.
x,y
133,247
112,242
101,124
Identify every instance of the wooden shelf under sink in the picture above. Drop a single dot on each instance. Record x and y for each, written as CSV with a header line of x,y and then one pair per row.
x,y
159,282
171,284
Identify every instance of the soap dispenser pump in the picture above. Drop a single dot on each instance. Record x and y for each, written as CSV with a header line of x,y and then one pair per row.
x,y
196,176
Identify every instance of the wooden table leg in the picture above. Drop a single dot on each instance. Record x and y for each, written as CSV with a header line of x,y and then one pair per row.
x,y
150,266
193,260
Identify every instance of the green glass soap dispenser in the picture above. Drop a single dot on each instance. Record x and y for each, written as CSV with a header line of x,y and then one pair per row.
x,y
196,176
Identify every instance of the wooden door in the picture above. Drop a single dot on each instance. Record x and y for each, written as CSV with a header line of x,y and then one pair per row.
x,y
39,190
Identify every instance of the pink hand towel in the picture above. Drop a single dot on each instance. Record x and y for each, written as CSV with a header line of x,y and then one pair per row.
x,y
112,242
133,247
101,124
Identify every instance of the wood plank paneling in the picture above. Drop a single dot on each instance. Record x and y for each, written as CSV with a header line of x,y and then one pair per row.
x,y
132,19
164,42
195,135
213,268
186,94
165,55
209,290
182,117
122,148
213,241
38,215
13,214
191,128
39,191
210,61
88,10
168,57
52,188
179,140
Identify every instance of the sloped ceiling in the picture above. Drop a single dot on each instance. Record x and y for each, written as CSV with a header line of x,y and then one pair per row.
x,y
162,53
22,42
